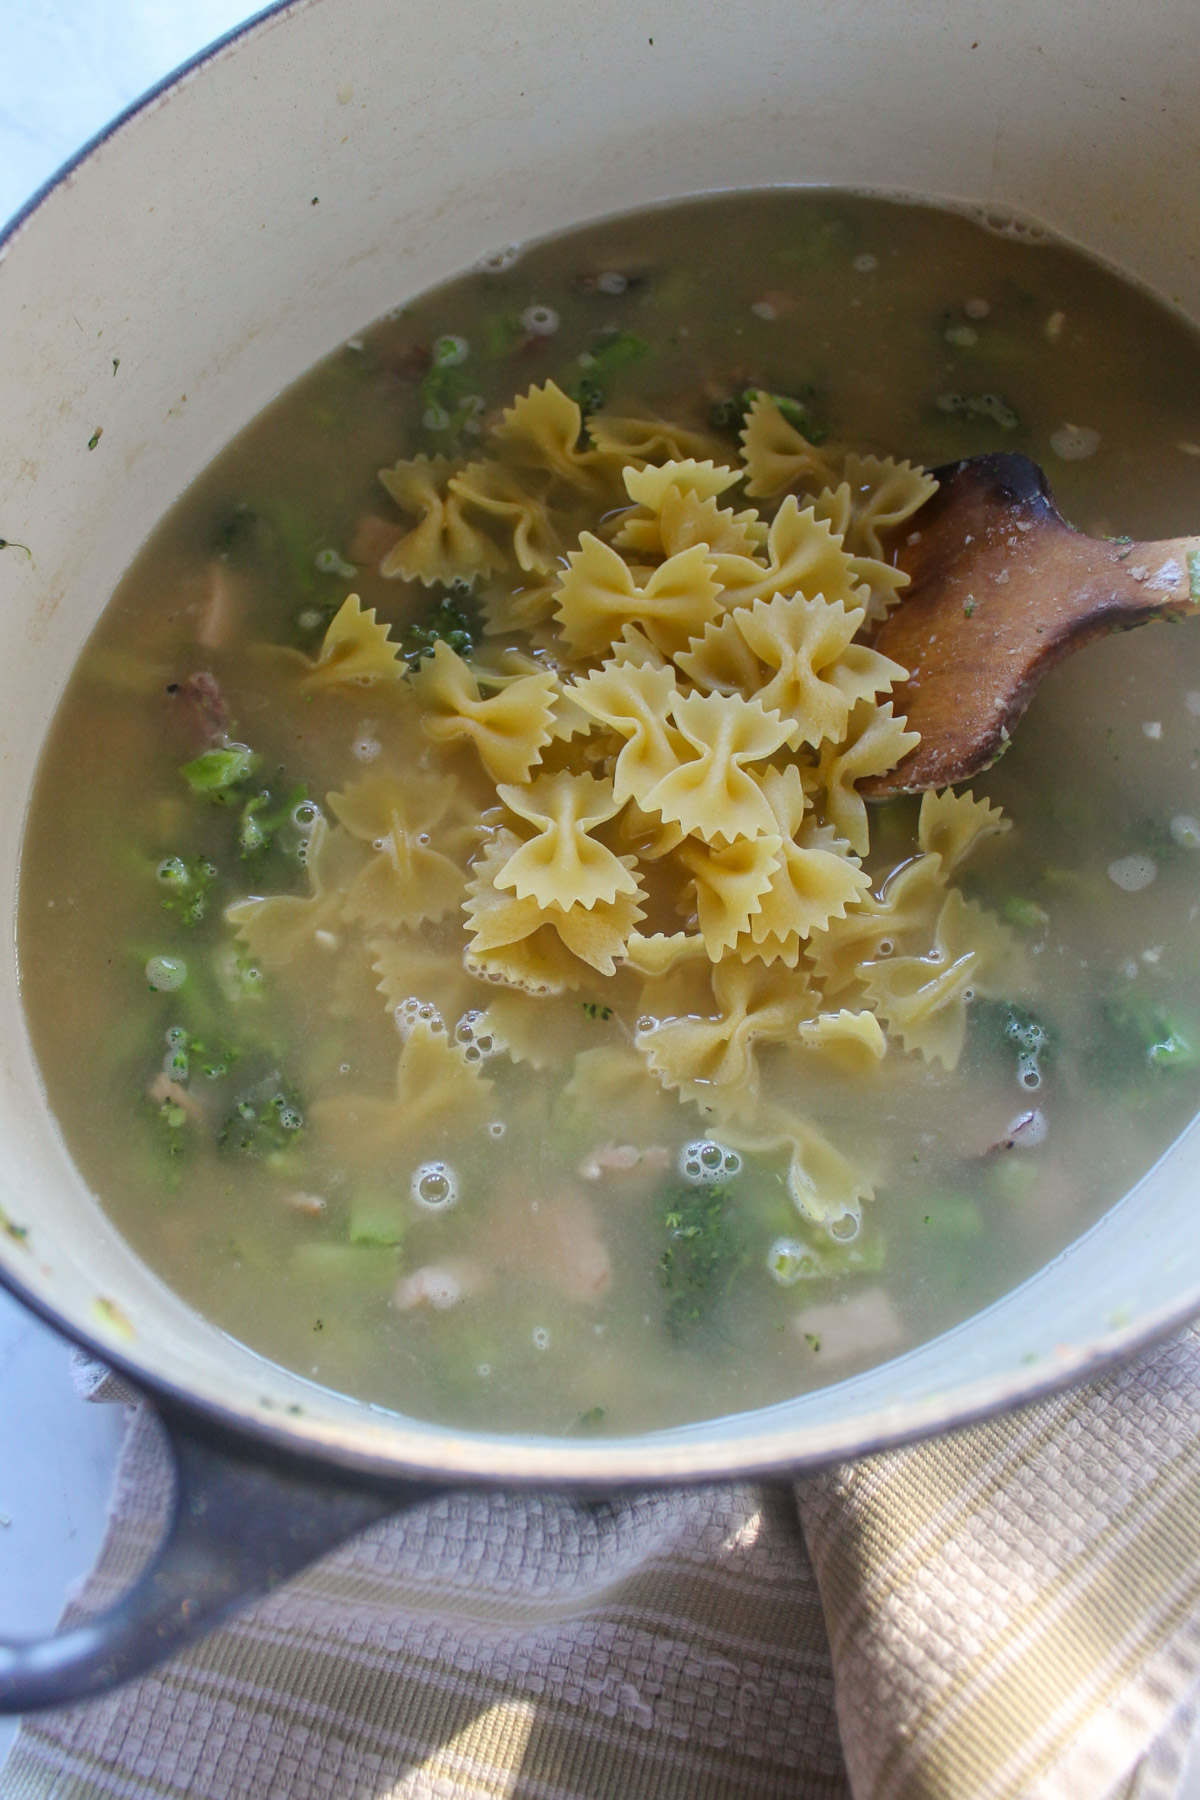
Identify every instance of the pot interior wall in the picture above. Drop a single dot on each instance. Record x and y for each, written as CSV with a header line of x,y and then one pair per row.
x,y
347,153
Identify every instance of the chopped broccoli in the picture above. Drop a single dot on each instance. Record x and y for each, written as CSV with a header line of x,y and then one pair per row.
x,y
596,369
190,884
1143,1021
1026,915
216,772
261,820
703,1254
730,415
448,621
980,406
379,1223
266,1120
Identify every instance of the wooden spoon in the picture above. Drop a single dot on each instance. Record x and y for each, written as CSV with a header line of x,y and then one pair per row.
x,y
1002,589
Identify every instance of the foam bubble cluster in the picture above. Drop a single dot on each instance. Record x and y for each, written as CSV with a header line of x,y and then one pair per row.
x,y
705,1163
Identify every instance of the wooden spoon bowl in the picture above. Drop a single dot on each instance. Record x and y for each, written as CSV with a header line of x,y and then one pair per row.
x,y
1002,589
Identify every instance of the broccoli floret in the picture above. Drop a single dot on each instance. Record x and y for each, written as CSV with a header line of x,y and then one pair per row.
x,y
189,883
216,773
448,622
1144,1021
704,1251
261,819
266,1120
730,415
596,369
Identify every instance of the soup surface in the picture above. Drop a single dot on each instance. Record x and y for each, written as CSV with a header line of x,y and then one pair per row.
x,y
453,944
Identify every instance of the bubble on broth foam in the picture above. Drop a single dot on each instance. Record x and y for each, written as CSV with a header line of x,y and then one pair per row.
x,y
540,321
541,1338
410,1011
705,1163
434,1186
1007,222
496,261
1074,443
1133,873
166,973
476,1042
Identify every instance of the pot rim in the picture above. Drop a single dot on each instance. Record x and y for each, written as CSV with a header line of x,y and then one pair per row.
x,y
684,1454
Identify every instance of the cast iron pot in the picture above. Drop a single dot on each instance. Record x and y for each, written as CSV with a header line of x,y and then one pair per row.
x,y
310,171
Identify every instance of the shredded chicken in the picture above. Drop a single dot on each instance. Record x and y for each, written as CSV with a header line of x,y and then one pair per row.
x,y
619,1159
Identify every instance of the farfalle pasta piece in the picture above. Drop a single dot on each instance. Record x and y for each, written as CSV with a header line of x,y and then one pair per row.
x,y
950,825
825,1187
633,646
647,836
443,545
721,661
542,949
729,882
712,794
407,879
923,999
626,440
635,701
509,940
494,490
819,674
291,928
900,919
506,608
416,966
852,1041
875,742
884,494
528,1030
811,883
509,730
541,430
438,1091
713,1042
882,582
661,952
356,651
563,865
778,459
802,557
600,593
676,508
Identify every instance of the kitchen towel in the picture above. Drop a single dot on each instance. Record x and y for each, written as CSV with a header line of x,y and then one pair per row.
x,y
1012,1610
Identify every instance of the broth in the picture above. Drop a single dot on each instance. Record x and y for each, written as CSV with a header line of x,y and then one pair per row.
x,y
562,1257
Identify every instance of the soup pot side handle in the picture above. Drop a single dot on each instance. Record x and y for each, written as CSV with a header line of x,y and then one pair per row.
x,y
242,1520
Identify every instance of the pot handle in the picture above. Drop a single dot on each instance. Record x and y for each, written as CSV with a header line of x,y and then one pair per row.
x,y
243,1519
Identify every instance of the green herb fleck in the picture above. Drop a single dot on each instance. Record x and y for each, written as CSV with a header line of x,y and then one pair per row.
x,y
969,607
95,437
11,544
594,1010
814,1343
595,1415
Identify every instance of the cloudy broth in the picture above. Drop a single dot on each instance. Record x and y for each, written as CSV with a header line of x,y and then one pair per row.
x,y
568,1245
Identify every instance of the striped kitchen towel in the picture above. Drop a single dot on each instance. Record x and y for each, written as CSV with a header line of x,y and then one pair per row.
x,y
1010,1611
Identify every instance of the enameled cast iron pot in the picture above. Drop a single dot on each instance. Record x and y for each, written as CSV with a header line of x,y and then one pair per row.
x,y
309,172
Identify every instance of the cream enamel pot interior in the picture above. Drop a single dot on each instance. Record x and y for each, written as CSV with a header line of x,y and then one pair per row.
x,y
314,169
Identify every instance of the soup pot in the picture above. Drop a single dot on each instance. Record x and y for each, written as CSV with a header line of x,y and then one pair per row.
x,y
305,174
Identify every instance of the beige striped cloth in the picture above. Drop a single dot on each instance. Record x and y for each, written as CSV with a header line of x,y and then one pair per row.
x,y
1011,1611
